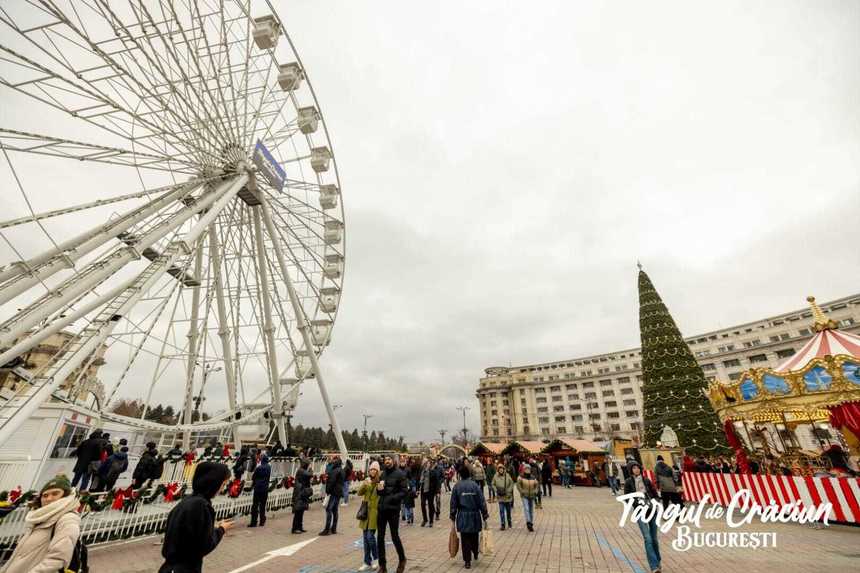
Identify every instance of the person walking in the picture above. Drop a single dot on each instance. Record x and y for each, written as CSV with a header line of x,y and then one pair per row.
x,y
478,474
191,531
503,486
370,496
89,454
529,490
536,475
439,469
468,512
333,490
260,480
302,494
392,487
449,475
546,477
612,473
347,477
648,527
147,468
666,480
53,528
428,484
490,471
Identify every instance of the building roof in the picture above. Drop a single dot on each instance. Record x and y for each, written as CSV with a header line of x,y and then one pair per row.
x,y
580,446
530,447
494,449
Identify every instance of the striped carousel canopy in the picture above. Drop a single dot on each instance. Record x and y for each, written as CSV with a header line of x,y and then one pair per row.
x,y
827,342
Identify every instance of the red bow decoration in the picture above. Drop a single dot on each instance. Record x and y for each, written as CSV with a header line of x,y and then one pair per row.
x,y
170,491
15,494
118,499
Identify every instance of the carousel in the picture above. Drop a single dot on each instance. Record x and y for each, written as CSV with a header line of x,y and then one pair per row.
x,y
805,413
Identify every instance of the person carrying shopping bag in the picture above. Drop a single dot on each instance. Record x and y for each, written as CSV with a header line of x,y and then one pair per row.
x,y
367,515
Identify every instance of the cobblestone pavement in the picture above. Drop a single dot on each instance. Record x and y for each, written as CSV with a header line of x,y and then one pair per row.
x,y
576,531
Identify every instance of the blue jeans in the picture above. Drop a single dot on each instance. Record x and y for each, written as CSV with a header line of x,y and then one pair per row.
x,y
652,545
408,513
371,551
529,510
84,477
613,484
345,498
331,513
505,509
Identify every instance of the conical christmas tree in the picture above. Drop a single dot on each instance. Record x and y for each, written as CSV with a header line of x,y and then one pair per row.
x,y
673,381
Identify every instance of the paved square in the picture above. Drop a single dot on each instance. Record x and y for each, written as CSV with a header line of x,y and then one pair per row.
x,y
576,531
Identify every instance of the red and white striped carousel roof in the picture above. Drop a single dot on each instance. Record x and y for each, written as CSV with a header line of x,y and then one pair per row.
x,y
827,342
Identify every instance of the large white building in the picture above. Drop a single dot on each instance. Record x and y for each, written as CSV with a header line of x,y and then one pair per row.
x,y
597,397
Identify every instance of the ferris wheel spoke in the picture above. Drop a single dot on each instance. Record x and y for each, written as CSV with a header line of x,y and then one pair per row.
x,y
70,149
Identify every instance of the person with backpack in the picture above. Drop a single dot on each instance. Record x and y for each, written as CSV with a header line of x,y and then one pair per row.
x,y
112,468
191,532
148,468
347,477
260,478
53,527
367,516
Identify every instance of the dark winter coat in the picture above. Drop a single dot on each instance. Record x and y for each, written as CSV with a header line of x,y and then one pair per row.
x,y
665,477
113,466
90,450
148,467
546,472
468,506
650,490
261,476
334,482
395,490
191,534
302,491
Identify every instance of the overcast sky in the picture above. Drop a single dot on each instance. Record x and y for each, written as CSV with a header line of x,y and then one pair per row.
x,y
504,165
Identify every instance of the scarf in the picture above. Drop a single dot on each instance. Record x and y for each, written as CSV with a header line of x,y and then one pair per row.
x,y
48,515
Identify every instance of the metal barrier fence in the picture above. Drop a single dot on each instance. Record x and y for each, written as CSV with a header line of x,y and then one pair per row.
x,y
143,519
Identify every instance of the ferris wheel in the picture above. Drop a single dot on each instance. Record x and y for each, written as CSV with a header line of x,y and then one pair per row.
x,y
177,210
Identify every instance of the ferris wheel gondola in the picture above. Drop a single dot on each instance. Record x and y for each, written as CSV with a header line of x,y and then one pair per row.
x,y
204,233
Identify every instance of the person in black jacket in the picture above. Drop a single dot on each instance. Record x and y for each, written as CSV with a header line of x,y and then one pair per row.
x,y
87,452
334,491
148,467
639,483
191,532
393,486
302,493
260,478
546,477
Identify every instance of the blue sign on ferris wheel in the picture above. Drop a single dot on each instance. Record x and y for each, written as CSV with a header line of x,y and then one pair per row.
x,y
269,168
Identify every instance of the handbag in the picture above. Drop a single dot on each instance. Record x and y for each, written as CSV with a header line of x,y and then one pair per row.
x,y
326,500
363,511
453,542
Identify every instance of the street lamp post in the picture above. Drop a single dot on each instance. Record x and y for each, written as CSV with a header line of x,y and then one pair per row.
x,y
364,432
442,435
464,409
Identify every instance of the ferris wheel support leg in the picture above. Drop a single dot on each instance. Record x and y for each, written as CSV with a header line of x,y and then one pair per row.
x,y
268,327
304,325
188,403
66,253
223,326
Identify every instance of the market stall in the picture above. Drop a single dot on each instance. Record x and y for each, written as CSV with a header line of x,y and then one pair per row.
x,y
586,459
488,453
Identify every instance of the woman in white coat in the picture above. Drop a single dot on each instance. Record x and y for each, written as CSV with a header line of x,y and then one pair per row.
x,y
53,528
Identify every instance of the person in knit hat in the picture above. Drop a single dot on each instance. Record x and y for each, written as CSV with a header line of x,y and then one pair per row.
x,y
370,495
53,529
